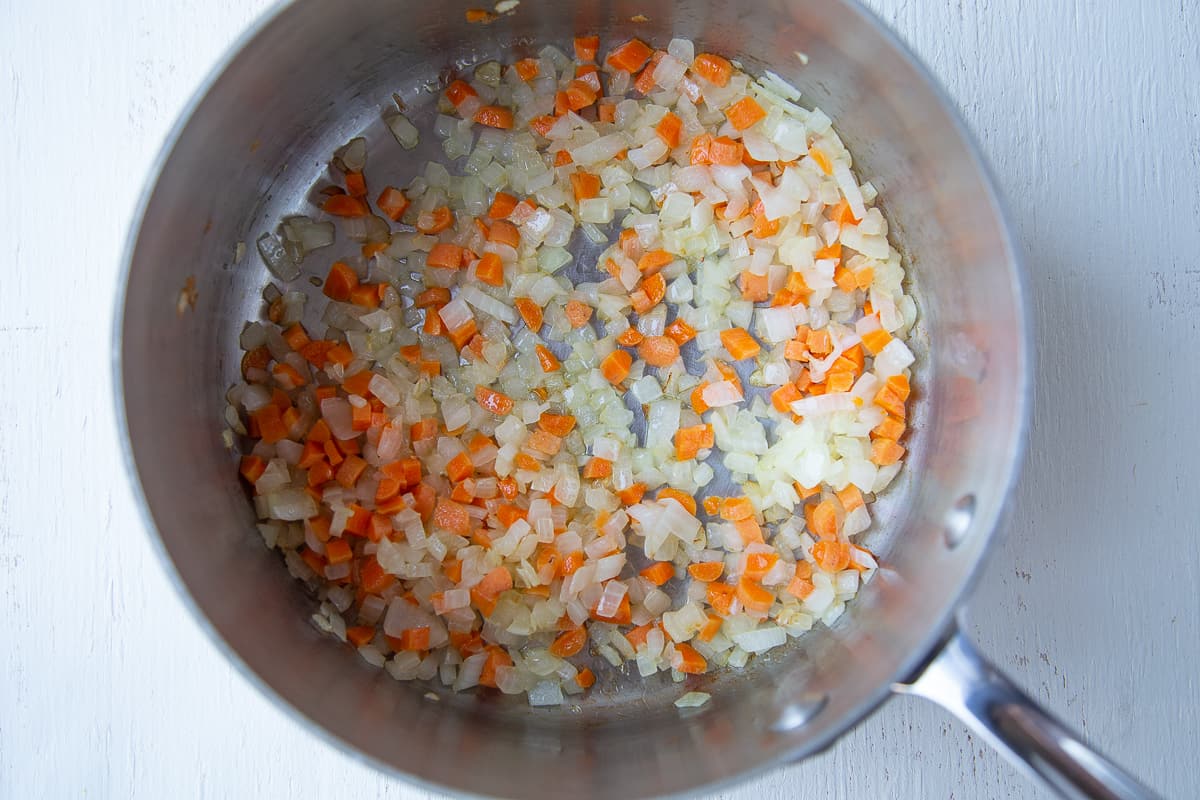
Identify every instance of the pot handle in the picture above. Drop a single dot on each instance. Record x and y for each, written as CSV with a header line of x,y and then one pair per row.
x,y
964,683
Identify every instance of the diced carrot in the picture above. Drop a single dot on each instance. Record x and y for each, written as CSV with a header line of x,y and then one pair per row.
x,y
650,292
480,16
759,564
831,556
463,333
683,498
724,151
445,255
414,639
393,203
365,295
844,279
819,342
659,572
670,130
356,184
490,269
580,95
876,340
344,205
839,381
753,596
632,494
252,467
350,471
271,427
546,359
850,498
691,440
689,661
340,282
460,468
542,125
373,578
697,399
712,505
570,643
721,596
784,396
629,56
630,337
502,205
658,351
527,68
435,221
886,451
891,428
315,561
423,429
892,395
585,678
707,570
824,519
558,424
562,103
644,83
452,516
737,508
504,232
749,530
259,357
754,287
360,417
586,48
699,153
655,260
763,228
585,185
745,113
340,354
597,468
713,68
544,442
842,215
530,311
822,160
607,111
833,251
739,343
458,91
289,375
800,587
615,366
578,313
710,629
864,277
493,401
360,635
680,331
296,337
337,551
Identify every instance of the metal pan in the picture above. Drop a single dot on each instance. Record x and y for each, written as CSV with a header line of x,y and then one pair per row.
x,y
247,152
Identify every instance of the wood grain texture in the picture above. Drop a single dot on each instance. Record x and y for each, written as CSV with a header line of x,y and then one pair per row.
x,y
1090,121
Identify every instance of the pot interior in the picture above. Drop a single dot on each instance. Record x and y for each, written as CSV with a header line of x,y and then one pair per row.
x,y
316,74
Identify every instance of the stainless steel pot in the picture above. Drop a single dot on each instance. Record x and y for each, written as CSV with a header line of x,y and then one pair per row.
x,y
257,136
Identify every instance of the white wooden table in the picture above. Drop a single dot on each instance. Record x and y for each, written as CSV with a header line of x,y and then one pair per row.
x,y
1092,601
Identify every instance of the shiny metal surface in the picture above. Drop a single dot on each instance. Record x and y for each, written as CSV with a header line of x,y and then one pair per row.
x,y
256,140
963,682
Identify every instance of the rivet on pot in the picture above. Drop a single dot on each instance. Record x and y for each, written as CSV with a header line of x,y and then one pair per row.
x,y
958,521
